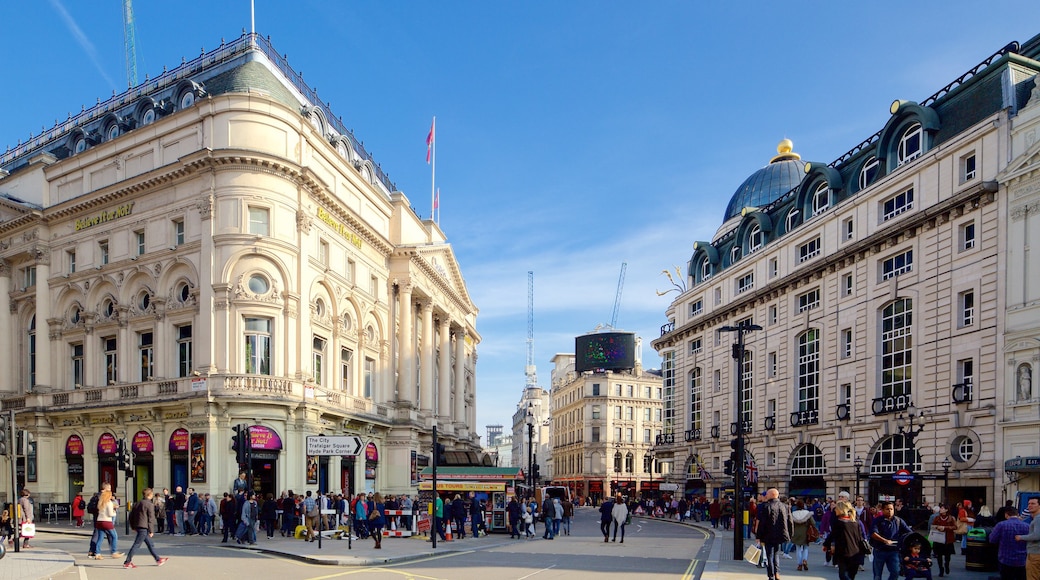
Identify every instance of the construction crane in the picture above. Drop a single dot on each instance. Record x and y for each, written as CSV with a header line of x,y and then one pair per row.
x,y
529,370
130,42
617,297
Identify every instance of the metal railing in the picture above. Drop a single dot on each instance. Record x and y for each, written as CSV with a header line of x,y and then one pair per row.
x,y
891,404
810,417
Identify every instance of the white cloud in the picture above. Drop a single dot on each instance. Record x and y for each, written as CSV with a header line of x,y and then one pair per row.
x,y
82,40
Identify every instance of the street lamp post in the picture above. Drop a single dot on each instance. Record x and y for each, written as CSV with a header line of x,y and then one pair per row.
x,y
650,457
859,466
910,426
530,449
946,465
617,468
742,328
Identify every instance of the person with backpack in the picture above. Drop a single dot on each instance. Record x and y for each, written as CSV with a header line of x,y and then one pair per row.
x,y
142,519
92,509
79,507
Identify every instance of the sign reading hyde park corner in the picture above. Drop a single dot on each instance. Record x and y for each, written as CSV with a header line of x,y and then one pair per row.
x,y
321,445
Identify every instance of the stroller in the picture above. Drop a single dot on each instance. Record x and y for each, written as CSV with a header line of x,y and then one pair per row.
x,y
917,565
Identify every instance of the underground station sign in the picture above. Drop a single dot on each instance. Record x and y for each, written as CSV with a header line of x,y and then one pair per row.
x,y
321,445
903,477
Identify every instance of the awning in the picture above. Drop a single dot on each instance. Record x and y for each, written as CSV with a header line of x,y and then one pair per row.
x,y
1020,464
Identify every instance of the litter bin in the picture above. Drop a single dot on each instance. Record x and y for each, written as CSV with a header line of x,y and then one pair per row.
x,y
980,555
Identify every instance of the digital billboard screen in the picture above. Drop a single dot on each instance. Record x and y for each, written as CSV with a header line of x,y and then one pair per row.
x,y
605,351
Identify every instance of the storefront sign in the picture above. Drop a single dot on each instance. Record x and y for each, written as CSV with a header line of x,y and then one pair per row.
x,y
142,443
179,440
198,385
462,486
74,445
198,458
106,444
264,438
371,453
105,216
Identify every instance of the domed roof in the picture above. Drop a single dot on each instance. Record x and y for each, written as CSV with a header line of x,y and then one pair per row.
x,y
784,173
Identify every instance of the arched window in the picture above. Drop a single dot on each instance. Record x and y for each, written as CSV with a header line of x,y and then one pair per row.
x,y
897,348
808,460
868,172
809,370
892,455
696,397
821,199
754,239
630,461
31,351
734,253
910,145
705,269
792,220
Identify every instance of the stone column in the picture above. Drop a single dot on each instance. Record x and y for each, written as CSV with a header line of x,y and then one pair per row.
x,y
406,374
426,401
460,376
444,372
43,315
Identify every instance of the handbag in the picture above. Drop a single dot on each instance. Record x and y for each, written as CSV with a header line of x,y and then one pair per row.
x,y
753,554
373,515
812,533
937,536
865,547
962,528
28,530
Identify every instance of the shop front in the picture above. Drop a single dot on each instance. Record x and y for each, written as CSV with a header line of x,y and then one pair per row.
x,y
74,463
180,442
266,446
107,468
144,449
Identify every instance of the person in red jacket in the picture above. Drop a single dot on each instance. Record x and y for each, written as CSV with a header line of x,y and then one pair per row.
x,y
79,508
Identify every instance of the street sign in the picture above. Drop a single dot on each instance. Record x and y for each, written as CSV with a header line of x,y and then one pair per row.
x,y
903,477
340,445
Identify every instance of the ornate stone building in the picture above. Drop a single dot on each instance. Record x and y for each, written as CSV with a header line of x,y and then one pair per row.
x,y
214,248
884,283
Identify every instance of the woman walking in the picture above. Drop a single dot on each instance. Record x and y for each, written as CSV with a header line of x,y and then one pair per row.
x,y
945,523
377,519
619,514
105,523
844,541
803,520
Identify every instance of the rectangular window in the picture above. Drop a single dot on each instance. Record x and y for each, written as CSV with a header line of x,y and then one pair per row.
x,y
845,452
847,229
846,343
846,285
896,205
771,364
966,371
967,305
718,296
657,415
718,380
617,413
77,365
346,359
967,236
809,250
774,314
70,257
629,435
968,167
774,267
139,242
668,376
370,377
646,414
746,282
103,252
770,458
109,347
646,436
323,252
629,413
617,390
178,232
259,221
646,392
184,351
258,346
29,276
146,354
595,434
351,270
659,395
809,300
596,412
696,307
595,389
629,391
373,286
695,346
617,434
896,265
318,360
845,394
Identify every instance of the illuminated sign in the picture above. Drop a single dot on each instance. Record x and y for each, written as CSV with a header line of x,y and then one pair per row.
x,y
461,486
339,227
105,216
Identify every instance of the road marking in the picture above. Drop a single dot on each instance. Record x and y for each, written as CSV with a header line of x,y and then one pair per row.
x,y
688,575
82,572
536,572
410,575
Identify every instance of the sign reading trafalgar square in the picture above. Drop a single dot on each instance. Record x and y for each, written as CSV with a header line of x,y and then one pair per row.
x,y
340,445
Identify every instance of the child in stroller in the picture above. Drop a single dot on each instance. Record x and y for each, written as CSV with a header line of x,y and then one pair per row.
x,y
916,556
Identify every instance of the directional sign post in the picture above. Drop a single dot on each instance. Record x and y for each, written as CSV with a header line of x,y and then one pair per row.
x,y
340,445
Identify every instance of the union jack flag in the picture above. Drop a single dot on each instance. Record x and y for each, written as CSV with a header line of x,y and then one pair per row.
x,y
703,473
750,471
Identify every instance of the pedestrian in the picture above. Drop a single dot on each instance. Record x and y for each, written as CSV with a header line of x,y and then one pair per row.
x,y
605,517
269,515
529,522
845,541
28,514
247,520
1011,553
179,502
1032,540
287,505
79,507
310,510
361,515
228,514
142,519
548,512
105,522
191,509
406,506
557,516
946,524
888,531
476,515
714,513
803,521
513,511
916,564
377,519
774,528
727,514
619,514
458,515
6,527
171,520
568,513
159,501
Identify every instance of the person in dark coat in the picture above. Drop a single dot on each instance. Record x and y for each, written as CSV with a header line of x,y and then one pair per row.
x,y
142,519
775,527
458,515
606,516
844,541
513,509
547,516
476,515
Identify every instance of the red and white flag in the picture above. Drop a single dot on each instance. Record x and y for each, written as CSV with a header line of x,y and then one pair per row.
x,y
437,199
430,138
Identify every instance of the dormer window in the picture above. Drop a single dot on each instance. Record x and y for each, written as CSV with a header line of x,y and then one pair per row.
x,y
754,239
792,220
148,117
734,254
112,133
705,269
821,199
80,146
869,172
187,100
910,144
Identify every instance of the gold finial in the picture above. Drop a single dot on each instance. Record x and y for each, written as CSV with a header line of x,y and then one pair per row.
x,y
785,151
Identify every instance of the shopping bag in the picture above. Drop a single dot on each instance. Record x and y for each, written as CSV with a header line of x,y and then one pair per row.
x,y
753,554
28,530
937,536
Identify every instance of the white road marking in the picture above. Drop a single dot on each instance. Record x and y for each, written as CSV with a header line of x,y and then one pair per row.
x,y
82,572
536,572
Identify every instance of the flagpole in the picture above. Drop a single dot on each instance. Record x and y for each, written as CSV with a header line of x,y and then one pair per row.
x,y
433,169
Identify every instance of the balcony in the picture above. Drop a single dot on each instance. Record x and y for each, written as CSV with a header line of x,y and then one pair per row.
x,y
963,392
715,432
733,427
843,411
800,418
666,328
665,439
769,423
692,435
891,404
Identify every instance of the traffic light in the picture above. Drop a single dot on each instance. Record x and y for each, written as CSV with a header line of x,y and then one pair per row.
x,y
438,454
240,443
128,460
121,454
537,473
729,466
3,435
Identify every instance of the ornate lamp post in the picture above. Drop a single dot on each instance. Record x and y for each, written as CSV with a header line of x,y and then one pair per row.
x,y
650,457
946,465
617,468
741,329
859,465
910,426
530,448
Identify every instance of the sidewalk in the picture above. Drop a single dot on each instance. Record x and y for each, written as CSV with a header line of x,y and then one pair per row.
x,y
34,563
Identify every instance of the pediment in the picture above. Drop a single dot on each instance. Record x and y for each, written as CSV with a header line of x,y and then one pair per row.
x,y
441,265
1022,166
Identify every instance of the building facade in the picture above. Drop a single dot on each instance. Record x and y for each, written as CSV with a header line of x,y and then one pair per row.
x,y
877,281
604,426
531,434
213,248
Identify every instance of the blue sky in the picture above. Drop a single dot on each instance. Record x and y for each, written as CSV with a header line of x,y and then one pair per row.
x,y
572,136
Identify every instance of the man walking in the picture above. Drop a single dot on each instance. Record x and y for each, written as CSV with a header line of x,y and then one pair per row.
x,y
548,512
774,527
568,513
1032,540
885,535
142,519
513,509
605,517
1011,554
